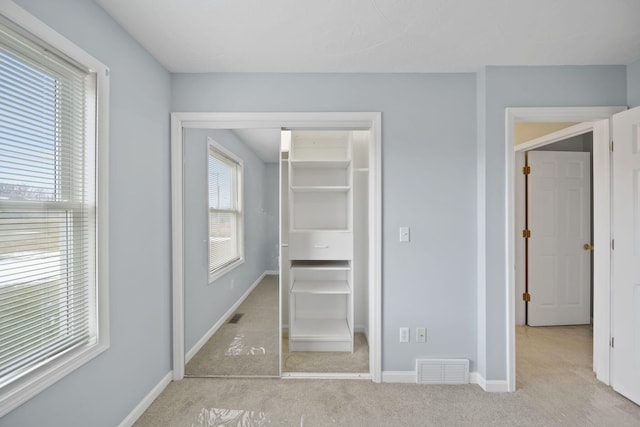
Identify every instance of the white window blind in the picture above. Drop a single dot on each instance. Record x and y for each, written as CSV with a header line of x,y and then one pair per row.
x,y
47,206
225,214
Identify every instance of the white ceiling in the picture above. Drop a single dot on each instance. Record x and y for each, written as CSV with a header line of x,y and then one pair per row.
x,y
195,36
379,35
264,142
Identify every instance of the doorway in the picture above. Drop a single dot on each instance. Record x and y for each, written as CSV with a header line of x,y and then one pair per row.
x,y
554,310
595,119
357,121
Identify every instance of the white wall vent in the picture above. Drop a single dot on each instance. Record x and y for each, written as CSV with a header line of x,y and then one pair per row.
x,y
442,371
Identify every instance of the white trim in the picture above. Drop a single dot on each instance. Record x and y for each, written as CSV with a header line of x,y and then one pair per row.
x,y
333,120
177,248
519,257
215,146
144,404
202,341
271,273
410,377
374,335
399,377
475,378
221,271
32,385
601,224
488,386
559,135
326,376
24,19
602,159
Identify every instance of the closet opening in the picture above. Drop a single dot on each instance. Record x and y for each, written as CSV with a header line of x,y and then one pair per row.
x,y
340,194
324,247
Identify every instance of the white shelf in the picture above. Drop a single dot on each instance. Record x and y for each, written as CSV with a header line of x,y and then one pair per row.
x,y
320,330
321,265
335,287
320,241
320,189
327,230
320,164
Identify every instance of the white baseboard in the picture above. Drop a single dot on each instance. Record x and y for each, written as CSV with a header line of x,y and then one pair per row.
x,y
271,272
475,377
491,386
147,401
325,376
202,341
404,377
409,377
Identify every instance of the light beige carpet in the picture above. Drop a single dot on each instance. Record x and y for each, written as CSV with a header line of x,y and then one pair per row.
x,y
248,347
556,387
327,361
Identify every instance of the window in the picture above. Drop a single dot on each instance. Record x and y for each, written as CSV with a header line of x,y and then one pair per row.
x,y
225,210
52,274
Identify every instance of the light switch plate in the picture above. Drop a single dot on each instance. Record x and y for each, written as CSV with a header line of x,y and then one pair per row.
x,y
404,234
404,334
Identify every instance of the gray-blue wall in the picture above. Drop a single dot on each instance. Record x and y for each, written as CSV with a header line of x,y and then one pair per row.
x,y
206,303
428,174
443,175
504,87
105,390
633,84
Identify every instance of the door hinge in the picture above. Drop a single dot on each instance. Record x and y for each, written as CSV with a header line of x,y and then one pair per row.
x,y
613,245
611,342
526,233
526,297
526,170
612,145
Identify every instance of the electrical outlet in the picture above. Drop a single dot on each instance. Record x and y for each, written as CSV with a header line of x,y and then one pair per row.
x,y
421,334
404,334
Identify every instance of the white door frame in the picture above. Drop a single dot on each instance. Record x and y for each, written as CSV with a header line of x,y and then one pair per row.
x,y
331,120
598,122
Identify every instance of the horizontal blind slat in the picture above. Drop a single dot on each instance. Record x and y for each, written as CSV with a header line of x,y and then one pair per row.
x,y
17,338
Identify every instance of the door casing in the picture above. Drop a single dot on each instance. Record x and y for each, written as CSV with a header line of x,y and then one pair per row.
x,y
595,119
327,120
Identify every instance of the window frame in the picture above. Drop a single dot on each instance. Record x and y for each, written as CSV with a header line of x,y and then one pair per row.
x,y
215,147
24,388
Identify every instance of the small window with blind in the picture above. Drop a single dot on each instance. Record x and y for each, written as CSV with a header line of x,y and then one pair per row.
x,y
52,284
225,210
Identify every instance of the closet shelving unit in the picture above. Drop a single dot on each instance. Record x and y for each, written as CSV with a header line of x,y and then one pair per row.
x,y
321,297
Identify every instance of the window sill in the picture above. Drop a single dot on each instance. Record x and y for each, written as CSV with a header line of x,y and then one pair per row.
x,y
17,393
213,276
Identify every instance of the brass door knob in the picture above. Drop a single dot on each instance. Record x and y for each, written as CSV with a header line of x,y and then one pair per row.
x,y
588,247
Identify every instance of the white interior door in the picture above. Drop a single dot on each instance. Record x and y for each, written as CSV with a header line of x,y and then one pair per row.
x,y
626,255
559,218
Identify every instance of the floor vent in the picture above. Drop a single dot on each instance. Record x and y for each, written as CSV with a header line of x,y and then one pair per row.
x,y
236,317
442,371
